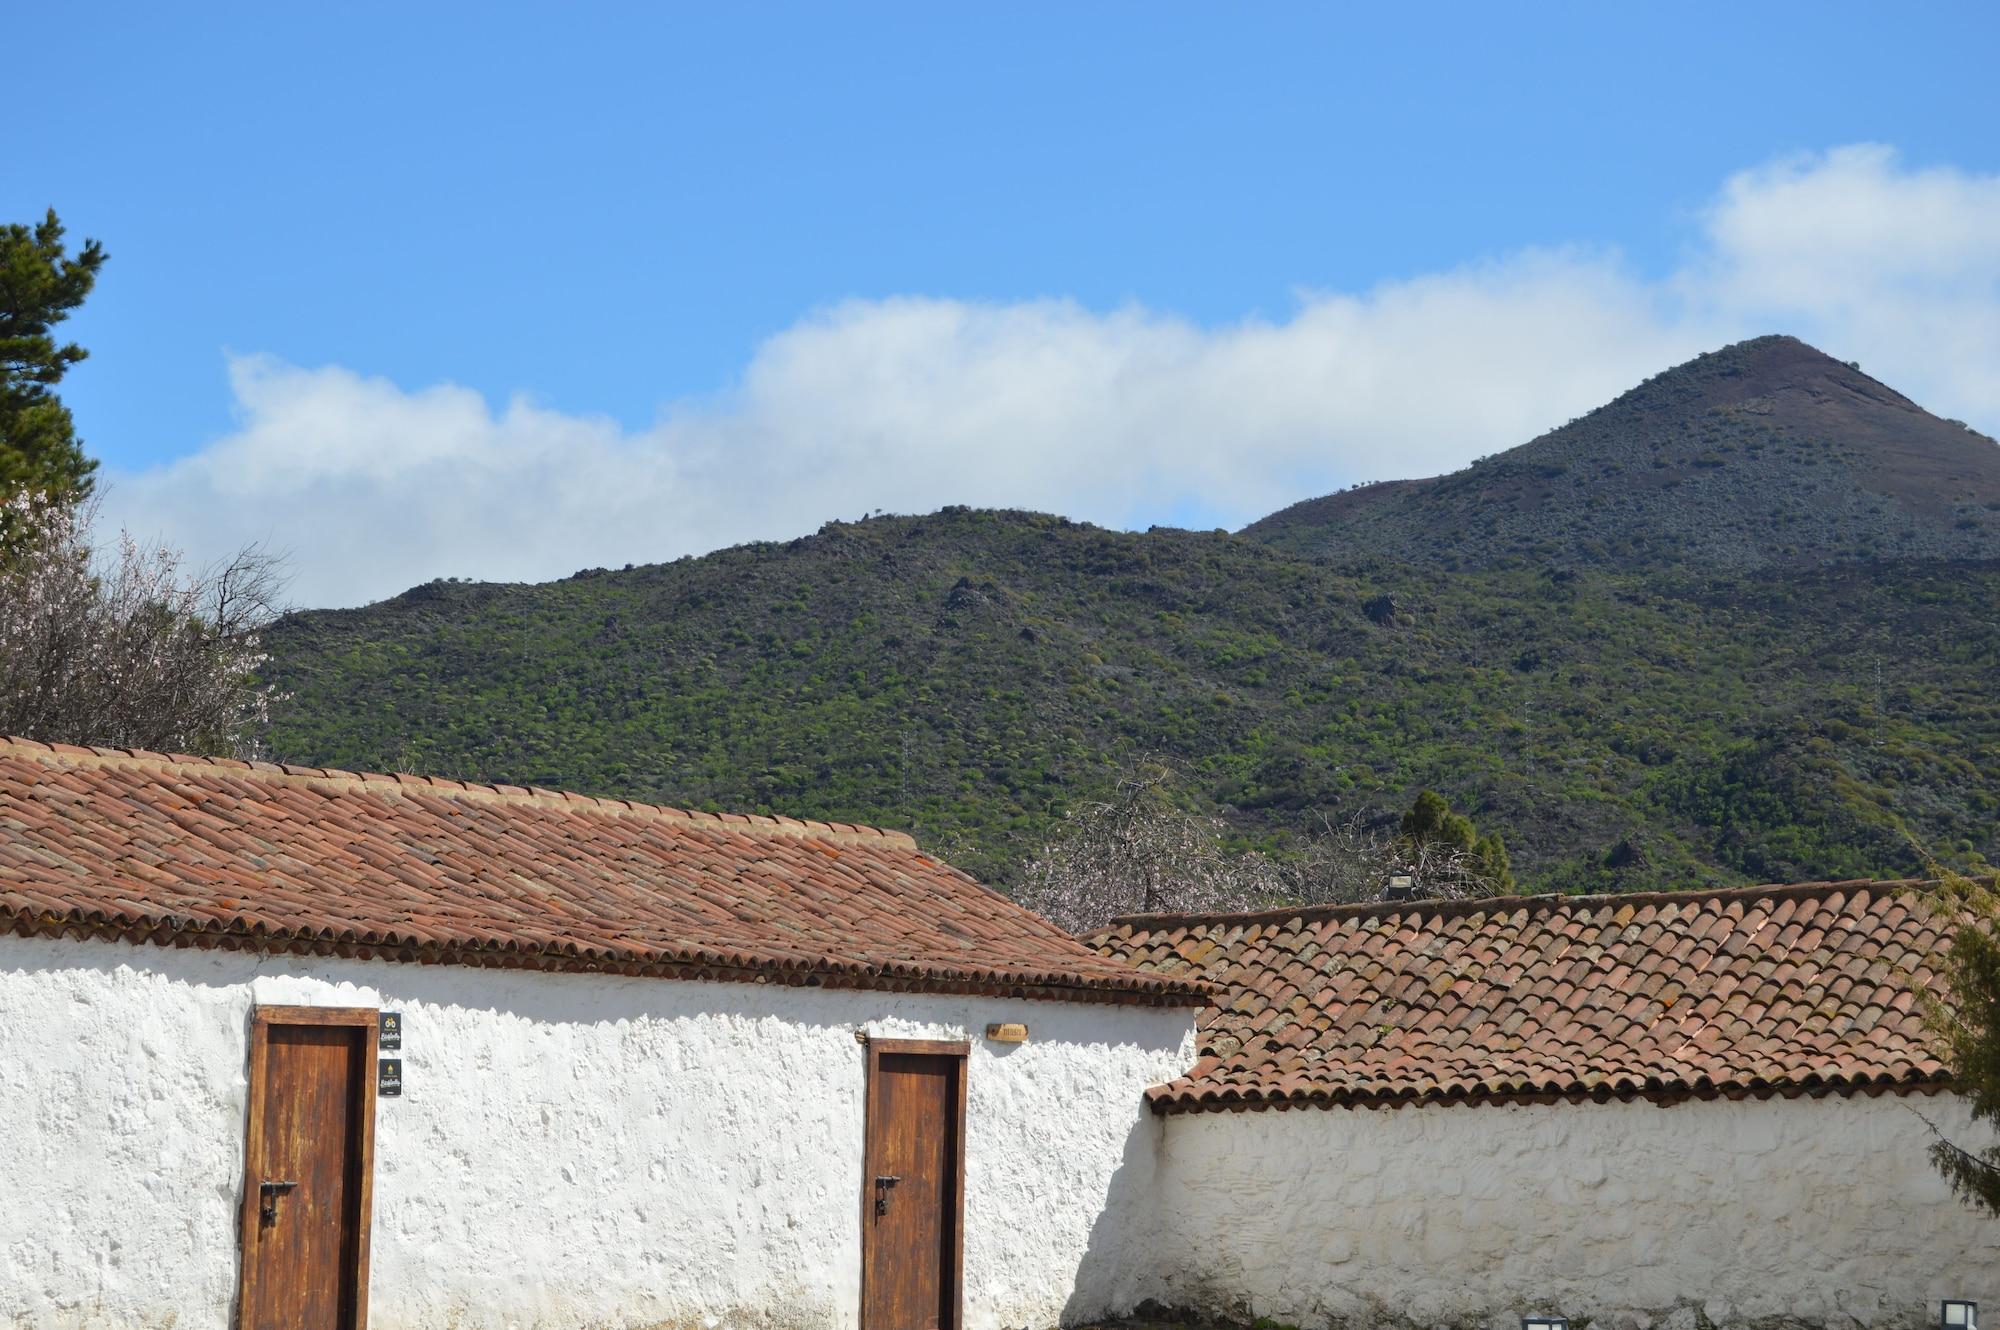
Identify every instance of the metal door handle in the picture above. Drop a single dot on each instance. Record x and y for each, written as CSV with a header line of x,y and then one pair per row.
x,y
268,1193
884,1181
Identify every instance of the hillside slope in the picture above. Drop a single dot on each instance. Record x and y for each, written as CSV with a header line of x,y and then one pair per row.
x,y
1741,624
969,674
1764,454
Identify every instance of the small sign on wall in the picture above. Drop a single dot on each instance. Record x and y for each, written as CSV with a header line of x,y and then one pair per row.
x,y
390,1036
389,1077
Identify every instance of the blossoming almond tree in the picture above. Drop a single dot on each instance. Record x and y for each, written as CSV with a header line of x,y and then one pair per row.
x,y
127,647
1138,852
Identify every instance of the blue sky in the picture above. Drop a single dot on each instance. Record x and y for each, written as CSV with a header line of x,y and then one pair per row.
x,y
605,222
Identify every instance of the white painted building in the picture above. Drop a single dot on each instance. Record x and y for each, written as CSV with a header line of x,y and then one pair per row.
x,y
1643,1112
288,1048
651,1066
1746,1212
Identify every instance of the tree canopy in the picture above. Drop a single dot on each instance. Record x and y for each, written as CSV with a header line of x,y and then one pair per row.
x,y
41,284
1430,829
124,646
1968,1025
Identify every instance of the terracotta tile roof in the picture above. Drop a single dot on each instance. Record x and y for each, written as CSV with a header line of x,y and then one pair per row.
x,y
1796,989
211,852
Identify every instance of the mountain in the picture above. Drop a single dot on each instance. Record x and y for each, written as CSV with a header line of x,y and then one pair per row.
x,y
1764,454
971,674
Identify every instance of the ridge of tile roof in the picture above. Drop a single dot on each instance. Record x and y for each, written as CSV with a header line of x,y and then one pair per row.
x,y
213,852
1796,988
1448,907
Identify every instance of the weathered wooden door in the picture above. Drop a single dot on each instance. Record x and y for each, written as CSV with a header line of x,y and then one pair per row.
x,y
913,1188
308,1169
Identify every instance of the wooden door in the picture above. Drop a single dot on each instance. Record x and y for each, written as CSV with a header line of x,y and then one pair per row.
x,y
308,1169
913,1186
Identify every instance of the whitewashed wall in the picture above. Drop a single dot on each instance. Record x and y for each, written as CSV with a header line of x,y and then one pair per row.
x,y
569,1150
1817,1212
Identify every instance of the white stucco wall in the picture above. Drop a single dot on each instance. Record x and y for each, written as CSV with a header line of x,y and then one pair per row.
x,y
1822,1212
569,1150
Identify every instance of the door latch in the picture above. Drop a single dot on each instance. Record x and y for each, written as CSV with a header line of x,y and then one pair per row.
x,y
267,1200
884,1181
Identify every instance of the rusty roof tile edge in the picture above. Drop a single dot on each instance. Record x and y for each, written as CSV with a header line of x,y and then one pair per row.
x,y
1546,904
400,783
1139,989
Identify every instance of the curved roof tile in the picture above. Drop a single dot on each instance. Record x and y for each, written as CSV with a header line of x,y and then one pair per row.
x,y
1781,989
220,853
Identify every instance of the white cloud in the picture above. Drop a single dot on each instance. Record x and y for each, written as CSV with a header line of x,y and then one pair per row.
x,y
1123,417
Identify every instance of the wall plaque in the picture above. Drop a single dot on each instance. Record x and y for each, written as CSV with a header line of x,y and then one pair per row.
x,y
389,1077
391,1033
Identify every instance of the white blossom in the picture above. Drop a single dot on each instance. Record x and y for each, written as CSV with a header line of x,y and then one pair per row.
x,y
126,647
1139,853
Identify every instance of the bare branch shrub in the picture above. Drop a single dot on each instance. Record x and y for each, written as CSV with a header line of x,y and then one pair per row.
x,y
1138,852
125,647
1359,859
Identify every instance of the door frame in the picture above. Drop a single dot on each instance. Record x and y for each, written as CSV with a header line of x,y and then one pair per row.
x,y
262,1019
948,1048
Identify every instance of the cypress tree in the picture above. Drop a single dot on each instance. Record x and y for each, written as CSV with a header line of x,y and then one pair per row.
x,y
40,285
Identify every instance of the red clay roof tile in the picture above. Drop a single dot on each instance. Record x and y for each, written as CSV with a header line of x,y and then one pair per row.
x,y
1764,989
228,854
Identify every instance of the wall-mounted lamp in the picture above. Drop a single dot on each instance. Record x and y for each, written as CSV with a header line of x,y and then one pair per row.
x,y
1545,1323
1008,1032
1956,1315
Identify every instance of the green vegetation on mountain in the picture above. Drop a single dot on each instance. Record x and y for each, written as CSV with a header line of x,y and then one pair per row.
x,y
969,674
1637,681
